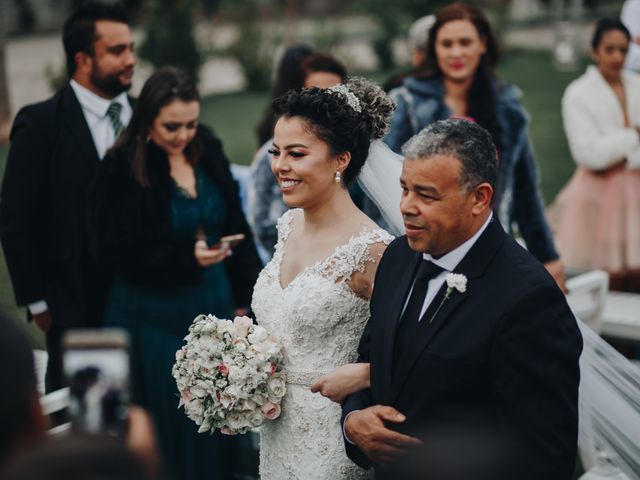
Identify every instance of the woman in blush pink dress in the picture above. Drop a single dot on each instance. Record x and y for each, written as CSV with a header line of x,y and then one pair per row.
x,y
596,217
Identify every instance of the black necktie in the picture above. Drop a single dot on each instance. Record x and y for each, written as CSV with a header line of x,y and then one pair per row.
x,y
411,315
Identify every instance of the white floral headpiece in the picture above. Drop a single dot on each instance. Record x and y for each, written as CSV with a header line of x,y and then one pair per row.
x,y
352,100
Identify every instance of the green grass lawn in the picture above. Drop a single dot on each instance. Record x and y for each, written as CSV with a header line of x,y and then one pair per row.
x,y
235,116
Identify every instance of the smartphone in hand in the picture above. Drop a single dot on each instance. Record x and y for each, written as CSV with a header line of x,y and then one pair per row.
x,y
228,241
96,365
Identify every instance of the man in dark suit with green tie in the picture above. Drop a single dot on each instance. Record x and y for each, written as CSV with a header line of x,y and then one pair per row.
x,y
56,146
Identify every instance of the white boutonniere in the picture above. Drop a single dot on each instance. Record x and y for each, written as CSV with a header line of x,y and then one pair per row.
x,y
455,281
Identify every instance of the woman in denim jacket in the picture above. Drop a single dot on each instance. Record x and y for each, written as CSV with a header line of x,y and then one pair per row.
x,y
459,81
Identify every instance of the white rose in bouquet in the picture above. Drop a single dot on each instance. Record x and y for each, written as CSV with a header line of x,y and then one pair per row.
x,y
242,325
276,387
258,335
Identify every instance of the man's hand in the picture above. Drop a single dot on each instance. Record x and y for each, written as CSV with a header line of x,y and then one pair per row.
x,y
556,270
43,320
366,428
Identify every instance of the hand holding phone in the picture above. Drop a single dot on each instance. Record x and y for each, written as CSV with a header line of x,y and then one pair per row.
x,y
210,255
228,241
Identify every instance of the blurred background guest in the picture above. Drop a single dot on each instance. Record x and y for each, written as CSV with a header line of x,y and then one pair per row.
x,y
596,217
630,16
22,424
417,42
56,147
459,81
163,197
288,76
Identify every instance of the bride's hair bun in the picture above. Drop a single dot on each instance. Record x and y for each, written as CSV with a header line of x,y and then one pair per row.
x,y
376,106
347,117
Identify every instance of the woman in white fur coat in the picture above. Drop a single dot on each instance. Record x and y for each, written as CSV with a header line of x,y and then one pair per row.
x,y
596,217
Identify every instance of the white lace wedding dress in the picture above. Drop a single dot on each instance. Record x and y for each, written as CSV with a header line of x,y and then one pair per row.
x,y
320,320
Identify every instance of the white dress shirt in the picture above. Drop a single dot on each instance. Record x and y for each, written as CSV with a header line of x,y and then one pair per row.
x,y
94,109
448,263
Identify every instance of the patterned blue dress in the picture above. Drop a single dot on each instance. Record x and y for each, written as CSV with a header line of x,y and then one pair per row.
x,y
158,319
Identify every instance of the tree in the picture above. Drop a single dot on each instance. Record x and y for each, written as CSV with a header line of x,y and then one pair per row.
x,y
169,38
254,45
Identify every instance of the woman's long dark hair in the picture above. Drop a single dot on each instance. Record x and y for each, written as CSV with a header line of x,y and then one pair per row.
x,y
312,62
481,96
163,87
288,77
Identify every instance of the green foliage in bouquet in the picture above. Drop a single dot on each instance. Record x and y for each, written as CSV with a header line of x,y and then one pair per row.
x,y
169,37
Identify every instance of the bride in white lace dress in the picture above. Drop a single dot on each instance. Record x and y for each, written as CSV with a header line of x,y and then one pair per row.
x,y
314,293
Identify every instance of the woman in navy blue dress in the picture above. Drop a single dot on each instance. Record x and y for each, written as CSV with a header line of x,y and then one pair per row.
x,y
163,197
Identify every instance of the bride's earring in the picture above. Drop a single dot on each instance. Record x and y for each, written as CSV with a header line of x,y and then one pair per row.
x,y
338,177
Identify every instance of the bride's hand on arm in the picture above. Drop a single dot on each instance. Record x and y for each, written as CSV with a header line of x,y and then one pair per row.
x,y
343,381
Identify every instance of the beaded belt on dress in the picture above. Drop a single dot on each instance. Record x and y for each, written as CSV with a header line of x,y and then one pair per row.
x,y
299,377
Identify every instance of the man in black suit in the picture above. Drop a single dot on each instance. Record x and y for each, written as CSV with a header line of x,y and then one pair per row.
x,y
56,146
474,376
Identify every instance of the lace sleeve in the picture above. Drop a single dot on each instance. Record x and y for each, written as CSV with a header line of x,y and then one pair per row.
x,y
354,256
284,225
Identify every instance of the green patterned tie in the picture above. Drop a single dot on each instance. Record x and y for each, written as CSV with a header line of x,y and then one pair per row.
x,y
113,112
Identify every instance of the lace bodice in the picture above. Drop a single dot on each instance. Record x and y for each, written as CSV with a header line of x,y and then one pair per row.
x,y
320,321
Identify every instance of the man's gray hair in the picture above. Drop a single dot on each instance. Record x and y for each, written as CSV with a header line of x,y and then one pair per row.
x,y
465,140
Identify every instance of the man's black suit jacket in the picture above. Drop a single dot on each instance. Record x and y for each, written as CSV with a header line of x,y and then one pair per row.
x,y
51,162
491,384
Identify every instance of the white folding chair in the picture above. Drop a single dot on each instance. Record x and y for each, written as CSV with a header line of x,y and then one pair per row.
x,y
55,402
587,297
40,358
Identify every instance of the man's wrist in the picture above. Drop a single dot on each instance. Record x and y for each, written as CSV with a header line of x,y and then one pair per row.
x,y
344,427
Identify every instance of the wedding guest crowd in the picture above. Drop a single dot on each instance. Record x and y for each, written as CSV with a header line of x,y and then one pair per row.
x,y
112,212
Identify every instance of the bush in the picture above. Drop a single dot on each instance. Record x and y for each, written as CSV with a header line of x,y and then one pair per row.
x,y
169,38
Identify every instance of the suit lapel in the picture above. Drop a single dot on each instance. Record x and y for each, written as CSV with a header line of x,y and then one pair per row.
x,y
76,124
472,266
395,310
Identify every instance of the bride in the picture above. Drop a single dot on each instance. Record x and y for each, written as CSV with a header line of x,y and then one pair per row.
x,y
314,293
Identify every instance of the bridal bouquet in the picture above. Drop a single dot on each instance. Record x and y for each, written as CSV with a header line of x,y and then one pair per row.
x,y
229,375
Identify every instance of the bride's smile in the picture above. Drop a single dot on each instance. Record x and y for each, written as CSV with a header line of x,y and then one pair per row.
x,y
303,164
